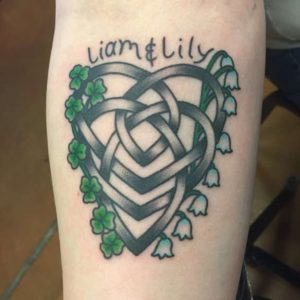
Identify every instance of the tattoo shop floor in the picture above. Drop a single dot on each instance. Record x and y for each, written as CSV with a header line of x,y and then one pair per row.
x,y
27,209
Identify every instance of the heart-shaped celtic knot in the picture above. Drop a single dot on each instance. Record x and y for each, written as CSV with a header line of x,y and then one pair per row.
x,y
110,178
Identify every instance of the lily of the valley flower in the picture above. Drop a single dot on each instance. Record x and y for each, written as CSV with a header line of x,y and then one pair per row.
x,y
227,61
224,144
231,80
212,177
183,229
230,106
163,248
199,206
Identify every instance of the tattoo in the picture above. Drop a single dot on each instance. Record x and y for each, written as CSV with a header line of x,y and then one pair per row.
x,y
150,51
165,200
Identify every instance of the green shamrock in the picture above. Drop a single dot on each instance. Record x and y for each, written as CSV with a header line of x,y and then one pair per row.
x,y
90,187
103,219
77,153
95,91
111,244
78,74
73,106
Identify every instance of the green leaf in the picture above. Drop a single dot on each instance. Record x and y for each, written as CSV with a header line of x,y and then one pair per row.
x,y
85,184
75,83
75,71
99,87
70,101
84,73
117,247
108,220
73,146
99,213
95,185
97,226
89,90
106,250
81,151
109,238
77,105
89,197
73,160
70,114
96,98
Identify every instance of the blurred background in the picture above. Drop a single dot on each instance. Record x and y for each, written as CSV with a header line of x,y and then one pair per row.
x,y
27,212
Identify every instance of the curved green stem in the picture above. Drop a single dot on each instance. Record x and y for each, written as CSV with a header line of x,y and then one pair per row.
x,y
84,170
209,67
217,75
74,130
226,91
215,58
191,193
163,236
204,94
181,214
81,165
223,70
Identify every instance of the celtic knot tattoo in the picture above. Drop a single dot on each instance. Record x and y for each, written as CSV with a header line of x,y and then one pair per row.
x,y
122,196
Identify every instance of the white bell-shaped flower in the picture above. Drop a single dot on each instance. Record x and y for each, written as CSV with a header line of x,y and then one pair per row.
x,y
199,206
163,248
232,80
212,177
227,61
230,106
183,229
224,144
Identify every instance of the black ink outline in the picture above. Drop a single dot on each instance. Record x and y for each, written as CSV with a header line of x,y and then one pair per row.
x,y
204,151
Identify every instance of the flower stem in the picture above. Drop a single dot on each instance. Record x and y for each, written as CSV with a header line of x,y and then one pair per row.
x,y
74,130
223,70
215,58
163,236
209,68
204,102
226,91
181,214
81,165
191,193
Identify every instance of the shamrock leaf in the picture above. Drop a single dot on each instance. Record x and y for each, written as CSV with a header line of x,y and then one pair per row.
x,y
103,219
95,91
73,106
76,153
111,244
78,74
89,187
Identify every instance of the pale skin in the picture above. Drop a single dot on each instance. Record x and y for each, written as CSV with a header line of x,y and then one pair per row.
x,y
207,267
